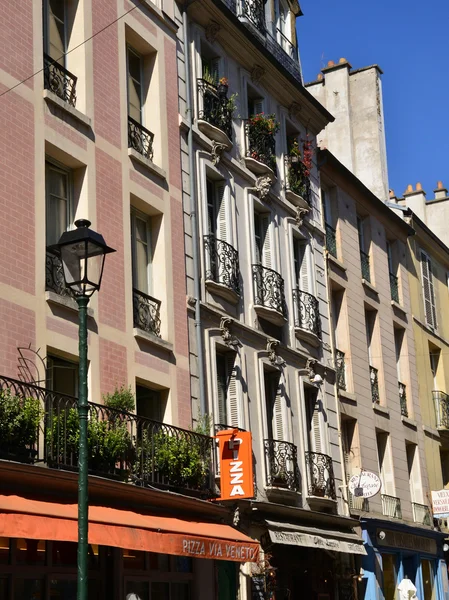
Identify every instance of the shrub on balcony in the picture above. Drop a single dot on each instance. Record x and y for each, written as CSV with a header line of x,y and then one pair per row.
x,y
19,425
299,169
261,138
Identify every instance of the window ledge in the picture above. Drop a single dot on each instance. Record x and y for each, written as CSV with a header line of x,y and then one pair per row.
x,y
382,410
270,314
140,334
336,262
347,396
369,286
49,96
398,307
222,290
146,162
432,431
307,336
409,422
65,301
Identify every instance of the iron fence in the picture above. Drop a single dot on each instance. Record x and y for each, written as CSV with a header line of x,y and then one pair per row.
x,y
374,378
403,398
394,287
59,81
331,240
364,261
254,11
54,276
441,401
422,514
260,144
222,264
320,473
340,368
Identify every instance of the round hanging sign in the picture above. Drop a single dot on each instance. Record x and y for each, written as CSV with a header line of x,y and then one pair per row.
x,y
365,485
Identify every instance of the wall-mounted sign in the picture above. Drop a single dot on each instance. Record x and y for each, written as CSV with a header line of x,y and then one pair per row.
x,y
236,464
365,484
440,503
407,541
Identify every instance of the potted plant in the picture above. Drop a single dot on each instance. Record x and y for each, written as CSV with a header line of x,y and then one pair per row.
x,y
261,138
222,88
19,426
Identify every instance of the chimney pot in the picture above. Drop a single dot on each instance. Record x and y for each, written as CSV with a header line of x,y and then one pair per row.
x,y
331,63
418,187
320,77
342,61
409,189
392,194
440,185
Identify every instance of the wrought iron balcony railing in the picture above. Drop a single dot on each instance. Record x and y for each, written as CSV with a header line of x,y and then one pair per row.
x,y
254,11
307,312
403,398
286,45
297,179
222,263
441,401
54,276
320,473
216,108
374,378
340,368
281,464
146,313
260,144
422,514
364,261
358,503
140,139
391,506
121,445
269,289
331,240
394,287
59,81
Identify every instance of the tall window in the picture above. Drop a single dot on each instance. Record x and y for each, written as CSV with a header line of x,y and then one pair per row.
x,y
428,290
135,87
150,403
398,340
141,252
313,420
301,261
55,30
262,239
273,403
58,201
62,376
414,473
385,463
217,209
255,105
283,26
227,394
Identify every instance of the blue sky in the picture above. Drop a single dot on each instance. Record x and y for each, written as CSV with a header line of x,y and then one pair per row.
x,y
409,41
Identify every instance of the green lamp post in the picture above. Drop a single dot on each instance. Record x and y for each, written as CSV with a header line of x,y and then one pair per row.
x,y
82,253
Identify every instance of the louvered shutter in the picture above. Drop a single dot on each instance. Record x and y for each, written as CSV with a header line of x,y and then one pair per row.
x,y
266,244
278,421
222,389
386,464
414,473
304,267
258,106
220,199
232,391
211,219
316,424
428,291
346,447
360,229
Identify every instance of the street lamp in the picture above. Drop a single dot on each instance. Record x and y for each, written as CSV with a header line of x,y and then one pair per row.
x,y
82,253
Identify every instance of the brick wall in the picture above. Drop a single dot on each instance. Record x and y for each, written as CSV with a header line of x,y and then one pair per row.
x,y
16,40
113,370
20,331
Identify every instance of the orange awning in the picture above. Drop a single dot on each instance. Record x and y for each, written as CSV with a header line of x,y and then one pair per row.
x,y
32,519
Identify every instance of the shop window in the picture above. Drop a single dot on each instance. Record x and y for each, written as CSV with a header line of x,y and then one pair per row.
x,y
180,591
65,589
137,590
390,576
159,562
64,553
30,552
133,560
183,564
160,590
428,580
4,587
28,588
4,552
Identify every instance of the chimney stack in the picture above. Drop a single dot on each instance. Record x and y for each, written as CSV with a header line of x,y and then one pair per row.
x,y
440,192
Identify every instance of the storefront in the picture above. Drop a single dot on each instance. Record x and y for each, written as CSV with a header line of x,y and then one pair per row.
x,y
396,552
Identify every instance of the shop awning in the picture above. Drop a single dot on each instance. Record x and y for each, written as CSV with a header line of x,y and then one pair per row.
x,y
296,535
30,519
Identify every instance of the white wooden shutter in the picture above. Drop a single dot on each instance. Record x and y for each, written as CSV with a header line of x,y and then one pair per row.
x,y
316,424
266,245
428,291
278,420
232,391
258,106
304,267
221,210
414,473
221,389
386,464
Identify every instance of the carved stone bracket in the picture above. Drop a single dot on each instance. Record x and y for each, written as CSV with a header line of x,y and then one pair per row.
x,y
225,330
263,185
294,110
217,151
211,31
257,72
300,214
311,367
273,356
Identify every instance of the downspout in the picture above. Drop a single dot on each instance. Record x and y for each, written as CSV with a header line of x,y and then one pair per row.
x,y
194,221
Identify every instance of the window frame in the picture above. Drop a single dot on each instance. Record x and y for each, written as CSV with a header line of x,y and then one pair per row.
x,y
132,50
46,37
432,295
51,164
137,214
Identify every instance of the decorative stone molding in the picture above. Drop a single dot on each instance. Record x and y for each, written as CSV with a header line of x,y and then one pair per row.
x,y
263,185
300,215
311,368
326,346
191,301
212,30
217,151
294,110
225,330
257,72
273,356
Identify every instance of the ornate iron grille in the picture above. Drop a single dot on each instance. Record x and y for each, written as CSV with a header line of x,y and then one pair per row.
x,y
140,139
297,180
216,108
374,378
340,368
307,312
441,401
403,398
331,240
222,263
59,81
391,506
260,145
394,287
254,10
422,514
146,310
54,276
281,463
364,260
320,473
269,289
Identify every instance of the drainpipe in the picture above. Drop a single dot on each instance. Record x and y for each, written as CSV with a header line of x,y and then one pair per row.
x,y
194,221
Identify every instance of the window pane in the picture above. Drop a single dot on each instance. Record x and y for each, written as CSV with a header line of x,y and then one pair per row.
x,y
30,552
134,66
159,562
427,579
180,591
183,564
64,553
57,8
134,560
160,591
135,102
137,590
142,267
141,230
389,571
28,589
57,183
57,219
4,588
149,405
63,589
4,551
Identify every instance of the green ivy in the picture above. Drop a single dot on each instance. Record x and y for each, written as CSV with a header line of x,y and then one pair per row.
x,y
19,420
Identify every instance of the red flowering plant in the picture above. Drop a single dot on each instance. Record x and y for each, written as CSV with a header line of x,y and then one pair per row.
x,y
298,177
261,131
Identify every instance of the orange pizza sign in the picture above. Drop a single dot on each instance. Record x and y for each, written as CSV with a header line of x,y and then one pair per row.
x,y
236,464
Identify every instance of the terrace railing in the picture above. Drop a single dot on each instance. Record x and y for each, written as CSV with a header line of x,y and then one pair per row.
x,y
320,474
281,463
222,263
59,81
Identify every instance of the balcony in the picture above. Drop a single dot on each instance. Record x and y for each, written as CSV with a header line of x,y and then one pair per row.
x,y
441,401
215,116
320,476
422,514
54,276
307,317
331,240
40,426
281,465
59,81
222,269
403,398
394,287
297,182
260,152
364,262
340,369
358,503
140,139
146,313
391,506
374,378
269,297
